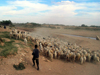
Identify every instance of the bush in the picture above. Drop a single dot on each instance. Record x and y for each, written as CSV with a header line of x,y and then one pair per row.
x,y
19,67
83,25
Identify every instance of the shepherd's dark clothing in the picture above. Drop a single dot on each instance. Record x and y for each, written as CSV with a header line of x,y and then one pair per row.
x,y
35,53
4,27
36,57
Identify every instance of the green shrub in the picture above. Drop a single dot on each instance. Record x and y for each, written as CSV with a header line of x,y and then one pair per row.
x,y
19,67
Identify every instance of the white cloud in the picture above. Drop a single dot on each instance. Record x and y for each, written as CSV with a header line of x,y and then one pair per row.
x,y
61,12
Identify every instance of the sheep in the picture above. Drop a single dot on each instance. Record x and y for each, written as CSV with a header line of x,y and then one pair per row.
x,y
23,34
88,57
17,36
78,56
45,44
95,58
84,58
55,54
32,39
25,40
50,55
28,38
55,48
67,57
81,60
46,51
37,41
72,56
88,50
14,34
49,44
14,31
85,53
69,47
58,54
41,47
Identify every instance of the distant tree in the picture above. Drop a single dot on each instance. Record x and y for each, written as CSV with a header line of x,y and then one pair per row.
x,y
83,25
36,24
6,22
94,26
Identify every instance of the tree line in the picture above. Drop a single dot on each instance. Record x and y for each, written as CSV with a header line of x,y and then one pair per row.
x,y
83,25
5,22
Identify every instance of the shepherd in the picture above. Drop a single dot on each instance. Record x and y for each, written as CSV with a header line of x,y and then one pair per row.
x,y
4,27
36,57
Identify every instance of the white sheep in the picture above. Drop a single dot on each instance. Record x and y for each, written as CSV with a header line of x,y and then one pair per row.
x,y
84,58
89,57
96,58
41,47
81,60
19,35
25,40
55,54
58,54
72,56
78,56
50,55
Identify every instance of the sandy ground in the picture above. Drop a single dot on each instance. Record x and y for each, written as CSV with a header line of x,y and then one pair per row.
x,y
57,67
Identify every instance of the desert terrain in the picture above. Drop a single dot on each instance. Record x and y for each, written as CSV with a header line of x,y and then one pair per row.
x,y
57,67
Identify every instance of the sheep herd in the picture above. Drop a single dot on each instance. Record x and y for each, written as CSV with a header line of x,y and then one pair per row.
x,y
55,48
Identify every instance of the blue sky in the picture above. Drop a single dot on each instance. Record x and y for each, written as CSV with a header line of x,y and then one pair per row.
x,y
68,12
